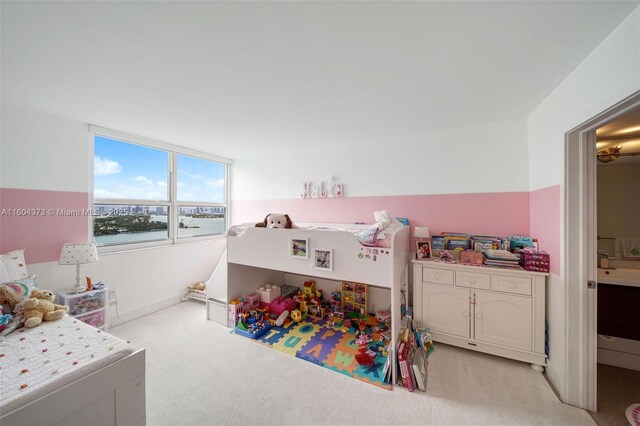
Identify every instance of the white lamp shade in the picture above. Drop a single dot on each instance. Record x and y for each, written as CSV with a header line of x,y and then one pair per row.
x,y
77,253
421,232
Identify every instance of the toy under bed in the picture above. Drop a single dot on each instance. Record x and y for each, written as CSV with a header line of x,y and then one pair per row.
x,y
37,361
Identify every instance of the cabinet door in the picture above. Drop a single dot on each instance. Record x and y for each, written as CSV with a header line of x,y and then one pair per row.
x,y
446,309
503,319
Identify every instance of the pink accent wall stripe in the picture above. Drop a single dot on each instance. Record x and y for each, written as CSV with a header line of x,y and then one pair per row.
x,y
498,213
40,235
545,222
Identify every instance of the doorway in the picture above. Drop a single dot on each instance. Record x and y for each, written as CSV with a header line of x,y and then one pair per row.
x,y
618,262
581,249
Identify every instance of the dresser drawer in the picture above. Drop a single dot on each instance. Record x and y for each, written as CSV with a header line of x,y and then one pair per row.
x,y
438,276
473,280
507,284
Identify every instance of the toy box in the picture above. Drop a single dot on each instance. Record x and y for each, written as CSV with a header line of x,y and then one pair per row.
x,y
268,292
234,310
536,261
254,330
470,257
288,291
281,304
252,324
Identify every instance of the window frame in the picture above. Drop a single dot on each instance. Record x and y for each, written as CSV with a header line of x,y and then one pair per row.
x,y
172,203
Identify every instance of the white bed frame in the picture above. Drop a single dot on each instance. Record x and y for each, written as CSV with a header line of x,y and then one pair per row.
x,y
112,395
261,255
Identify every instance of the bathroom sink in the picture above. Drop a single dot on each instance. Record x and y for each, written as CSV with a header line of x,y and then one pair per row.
x,y
620,276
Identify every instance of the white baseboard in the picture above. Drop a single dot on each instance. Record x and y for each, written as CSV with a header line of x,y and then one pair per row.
x,y
145,310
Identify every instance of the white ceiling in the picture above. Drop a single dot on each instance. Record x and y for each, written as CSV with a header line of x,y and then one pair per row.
x,y
241,78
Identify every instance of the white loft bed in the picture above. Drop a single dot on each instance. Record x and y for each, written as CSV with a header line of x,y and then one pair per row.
x,y
107,391
261,255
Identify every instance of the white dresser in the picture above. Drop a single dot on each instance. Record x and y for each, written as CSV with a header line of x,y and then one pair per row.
x,y
493,310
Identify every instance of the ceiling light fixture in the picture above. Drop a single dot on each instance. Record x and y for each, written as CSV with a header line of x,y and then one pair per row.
x,y
612,153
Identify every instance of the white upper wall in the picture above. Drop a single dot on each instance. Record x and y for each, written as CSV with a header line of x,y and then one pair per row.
x,y
609,74
243,78
41,151
486,158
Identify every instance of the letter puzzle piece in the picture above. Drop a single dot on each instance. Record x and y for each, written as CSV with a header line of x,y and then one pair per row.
x,y
343,357
296,338
276,334
320,345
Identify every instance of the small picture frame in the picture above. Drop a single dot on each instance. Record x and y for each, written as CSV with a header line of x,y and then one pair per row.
x,y
423,249
323,259
299,248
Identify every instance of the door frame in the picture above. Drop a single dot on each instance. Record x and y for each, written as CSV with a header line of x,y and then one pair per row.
x,y
580,259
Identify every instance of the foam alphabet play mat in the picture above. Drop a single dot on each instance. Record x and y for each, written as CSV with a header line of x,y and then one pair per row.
x,y
334,345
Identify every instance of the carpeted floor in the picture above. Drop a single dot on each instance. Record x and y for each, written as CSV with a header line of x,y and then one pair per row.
x,y
199,374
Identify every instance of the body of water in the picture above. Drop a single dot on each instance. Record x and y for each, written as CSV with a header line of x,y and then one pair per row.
x,y
207,226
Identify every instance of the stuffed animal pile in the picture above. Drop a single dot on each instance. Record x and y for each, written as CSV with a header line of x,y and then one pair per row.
x,y
201,286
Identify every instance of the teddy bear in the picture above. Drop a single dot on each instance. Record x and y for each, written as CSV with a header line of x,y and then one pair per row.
x,y
276,220
40,307
9,297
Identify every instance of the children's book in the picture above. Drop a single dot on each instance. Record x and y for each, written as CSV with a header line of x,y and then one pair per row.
x,y
517,242
438,243
419,365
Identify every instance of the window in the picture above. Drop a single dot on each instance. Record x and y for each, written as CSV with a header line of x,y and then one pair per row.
x,y
200,190
139,199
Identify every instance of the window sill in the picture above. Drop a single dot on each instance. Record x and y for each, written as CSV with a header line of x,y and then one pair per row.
x,y
153,245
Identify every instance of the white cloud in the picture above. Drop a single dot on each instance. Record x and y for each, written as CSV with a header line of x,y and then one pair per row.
x,y
161,183
104,166
191,175
103,193
215,183
144,180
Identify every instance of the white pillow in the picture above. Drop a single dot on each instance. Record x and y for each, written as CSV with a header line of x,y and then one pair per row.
x,y
12,266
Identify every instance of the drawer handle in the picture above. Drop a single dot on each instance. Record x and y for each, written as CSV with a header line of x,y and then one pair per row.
x,y
472,280
479,316
438,276
465,313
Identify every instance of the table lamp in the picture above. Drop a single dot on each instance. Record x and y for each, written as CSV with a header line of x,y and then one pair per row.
x,y
77,254
421,232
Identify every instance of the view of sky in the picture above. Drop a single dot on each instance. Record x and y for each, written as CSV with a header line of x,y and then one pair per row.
x,y
129,171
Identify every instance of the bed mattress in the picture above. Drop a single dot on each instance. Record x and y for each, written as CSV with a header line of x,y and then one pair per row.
x,y
37,361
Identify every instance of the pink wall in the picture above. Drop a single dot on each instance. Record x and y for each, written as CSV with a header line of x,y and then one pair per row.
x,y
545,222
43,232
498,213
536,213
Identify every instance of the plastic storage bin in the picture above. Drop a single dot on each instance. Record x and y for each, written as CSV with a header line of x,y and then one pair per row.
x,y
537,261
95,319
82,303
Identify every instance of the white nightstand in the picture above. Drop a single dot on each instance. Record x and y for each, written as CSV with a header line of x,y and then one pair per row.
x,y
89,307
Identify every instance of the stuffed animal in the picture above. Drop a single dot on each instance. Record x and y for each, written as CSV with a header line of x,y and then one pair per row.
x,y
9,297
40,307
276,220
201,286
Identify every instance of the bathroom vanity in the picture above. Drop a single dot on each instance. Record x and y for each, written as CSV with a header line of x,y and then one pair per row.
x,y
619,317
